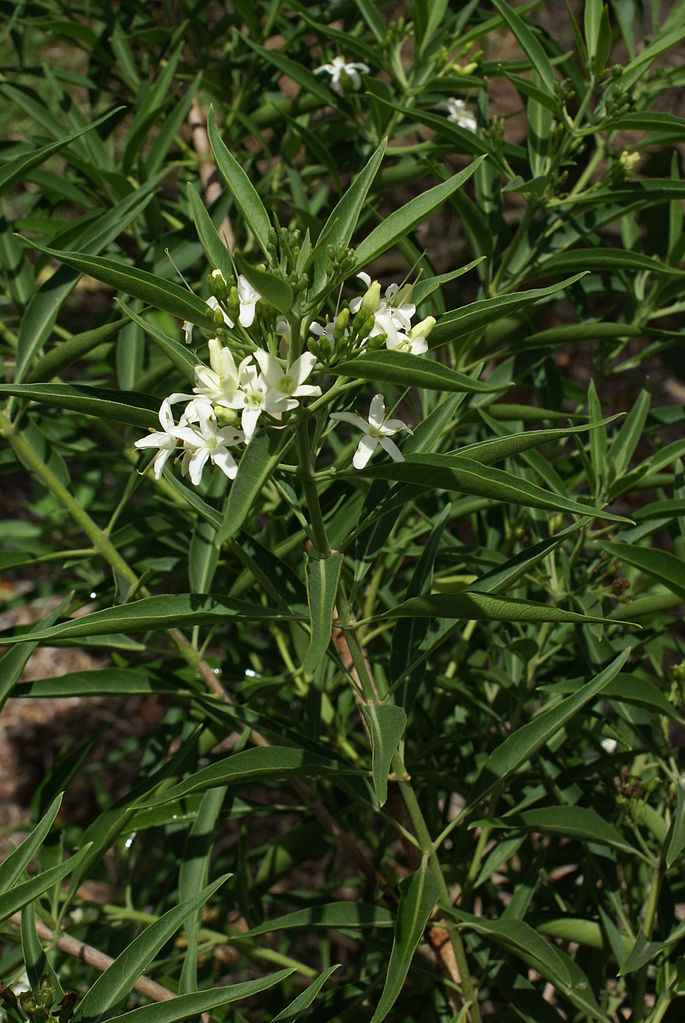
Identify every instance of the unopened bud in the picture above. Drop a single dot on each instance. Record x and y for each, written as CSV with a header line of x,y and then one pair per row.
x,y
233,303
371,300
218,283
375,342
423,328
341,322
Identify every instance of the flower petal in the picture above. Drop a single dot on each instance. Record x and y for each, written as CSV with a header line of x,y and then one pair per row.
x,y
248,421
302,367
226,462
352,418
365,448
377,411
392,449
161,459
196,465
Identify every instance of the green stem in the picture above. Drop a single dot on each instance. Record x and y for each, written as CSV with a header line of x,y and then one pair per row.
x,y
311,493
428,848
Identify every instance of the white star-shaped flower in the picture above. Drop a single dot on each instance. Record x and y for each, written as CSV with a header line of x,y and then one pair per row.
x,y
342,71
221,383
394,313
460,113
286,386
166,440
204,442
377,431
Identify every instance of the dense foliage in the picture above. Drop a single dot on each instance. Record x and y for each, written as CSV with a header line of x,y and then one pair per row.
x,y
340,348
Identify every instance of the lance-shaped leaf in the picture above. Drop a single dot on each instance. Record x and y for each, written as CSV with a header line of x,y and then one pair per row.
x,y
122,406
467,476
666,567
322,588
471,605
161,612
407,370
416,906
604,259
118,979
153,290
21,894
215,248
332,914
341,223
530,44
527,740
675,842
190,1006
260,458
263,762
100,682
275,290
307,997
401,221
498,448
180,355
386,724
19,858
17,169
579,822
296,71
457,322
244,192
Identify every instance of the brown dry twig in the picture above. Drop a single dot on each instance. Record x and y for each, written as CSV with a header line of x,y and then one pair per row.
x,y
94,957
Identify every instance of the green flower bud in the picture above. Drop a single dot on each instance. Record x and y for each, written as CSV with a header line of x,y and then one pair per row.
x,y
233,303
218,284
423,328
371,300
341,322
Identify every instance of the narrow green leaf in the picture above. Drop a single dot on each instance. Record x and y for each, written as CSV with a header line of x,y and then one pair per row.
x,y
19,858
416,905
307,997
529,44
341,223
574,821
240,185
193,876
641,63
333,914
189,1006
667,568
118,979
215,248
17,169
676,835
467,476
260,458
386,724
457,322
407,370
26,892
12,663
180,355
120,406
471,605
423,289
149,287
98,682
527,740
275,290
628,437
159,612
398,224
498,448
322,589
263,762
604,259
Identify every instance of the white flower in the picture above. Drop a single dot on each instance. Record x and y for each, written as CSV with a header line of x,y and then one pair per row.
x,y
188,332
326,330
221,383
406,343
248,298
378,430
392,317
256,398
609,745
213,304
285,386
165,439
204,442
460,114
342,71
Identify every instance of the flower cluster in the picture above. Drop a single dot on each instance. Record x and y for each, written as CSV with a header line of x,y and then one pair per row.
x,y
258,384
374,320
235,390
